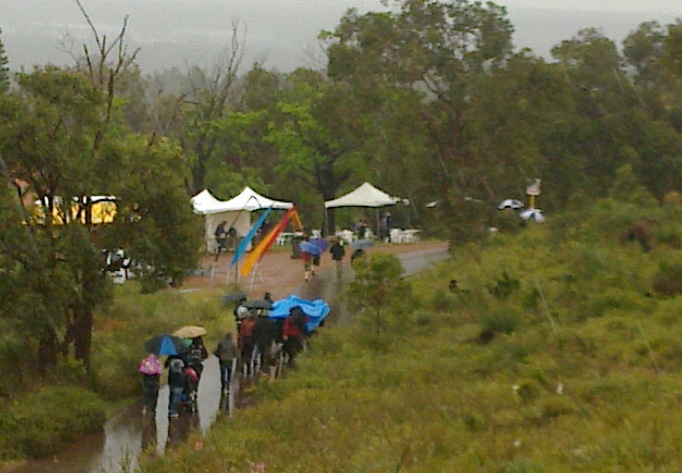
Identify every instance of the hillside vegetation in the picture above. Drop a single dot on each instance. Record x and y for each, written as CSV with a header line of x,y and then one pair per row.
x,y
555,348
558,351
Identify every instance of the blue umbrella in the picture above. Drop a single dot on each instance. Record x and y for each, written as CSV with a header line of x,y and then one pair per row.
x,y
321,243
164,345
310,248
316,309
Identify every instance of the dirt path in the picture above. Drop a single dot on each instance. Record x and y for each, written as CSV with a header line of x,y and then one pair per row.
x,y
280,275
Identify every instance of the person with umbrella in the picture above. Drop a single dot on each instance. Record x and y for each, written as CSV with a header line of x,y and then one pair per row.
x,y
196,350
150,369
293,331
176,384
240,312
310,254
173,347
197,354
358,253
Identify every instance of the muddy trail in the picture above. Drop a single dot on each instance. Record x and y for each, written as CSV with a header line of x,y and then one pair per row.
x,y
127,434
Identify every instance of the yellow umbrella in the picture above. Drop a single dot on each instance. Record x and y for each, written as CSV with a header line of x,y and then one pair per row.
x,y
190,331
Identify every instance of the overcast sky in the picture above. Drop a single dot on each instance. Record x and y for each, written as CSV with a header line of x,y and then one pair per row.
x,y
279,33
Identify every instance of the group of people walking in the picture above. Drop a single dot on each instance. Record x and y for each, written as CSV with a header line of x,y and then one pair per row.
x,y
184,372
264,342
258,337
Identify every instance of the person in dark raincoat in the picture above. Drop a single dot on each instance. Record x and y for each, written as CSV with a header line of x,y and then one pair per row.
x,y
338,252
226,351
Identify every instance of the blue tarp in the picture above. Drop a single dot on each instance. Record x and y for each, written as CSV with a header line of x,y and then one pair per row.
x,y
316,310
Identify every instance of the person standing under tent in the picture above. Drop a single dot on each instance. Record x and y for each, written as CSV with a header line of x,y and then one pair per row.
x,y
221,239
385,226
361,228
231,242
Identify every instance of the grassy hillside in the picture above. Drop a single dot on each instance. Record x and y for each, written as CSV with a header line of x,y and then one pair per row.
x,y
559,351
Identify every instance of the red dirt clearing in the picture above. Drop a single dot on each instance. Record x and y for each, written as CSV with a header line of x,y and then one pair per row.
x,y
277,273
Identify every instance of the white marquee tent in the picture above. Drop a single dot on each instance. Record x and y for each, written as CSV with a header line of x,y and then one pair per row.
x,y
366,195
236,212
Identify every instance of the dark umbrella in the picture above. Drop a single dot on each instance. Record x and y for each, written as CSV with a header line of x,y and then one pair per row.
x,y
233,296
361,244
310,248
258,304
165,345
321,243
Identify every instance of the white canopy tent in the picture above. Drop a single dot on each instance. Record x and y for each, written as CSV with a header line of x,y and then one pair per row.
x,y
366,195
236,212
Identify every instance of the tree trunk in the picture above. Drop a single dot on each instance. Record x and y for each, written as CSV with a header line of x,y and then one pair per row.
x,y
82,334
47,351
83,319
331,221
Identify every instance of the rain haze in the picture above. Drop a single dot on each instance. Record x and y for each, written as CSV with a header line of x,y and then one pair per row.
x,y
280,34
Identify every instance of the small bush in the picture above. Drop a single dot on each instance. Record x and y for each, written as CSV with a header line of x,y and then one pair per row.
x,y
556,406
504,320
504,286
668,280
614,299
442,301
528,391
473,422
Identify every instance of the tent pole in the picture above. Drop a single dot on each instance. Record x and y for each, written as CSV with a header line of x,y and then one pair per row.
x,y
253,276
377,233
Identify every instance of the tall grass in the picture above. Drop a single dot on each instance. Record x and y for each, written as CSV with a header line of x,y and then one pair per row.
x,y
579,371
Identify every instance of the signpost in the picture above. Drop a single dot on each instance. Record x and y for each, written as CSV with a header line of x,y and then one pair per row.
x,y
533,191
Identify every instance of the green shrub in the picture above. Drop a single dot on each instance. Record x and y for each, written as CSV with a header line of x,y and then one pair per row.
x,y
502,320
473,422
442,301
615,299
668,280
556,406
670,235
528,391
504,286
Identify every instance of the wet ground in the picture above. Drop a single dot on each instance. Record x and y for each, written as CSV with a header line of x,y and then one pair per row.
x,y
128,434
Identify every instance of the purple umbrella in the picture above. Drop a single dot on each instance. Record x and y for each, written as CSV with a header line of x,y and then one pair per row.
x,y
321,243
310,248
